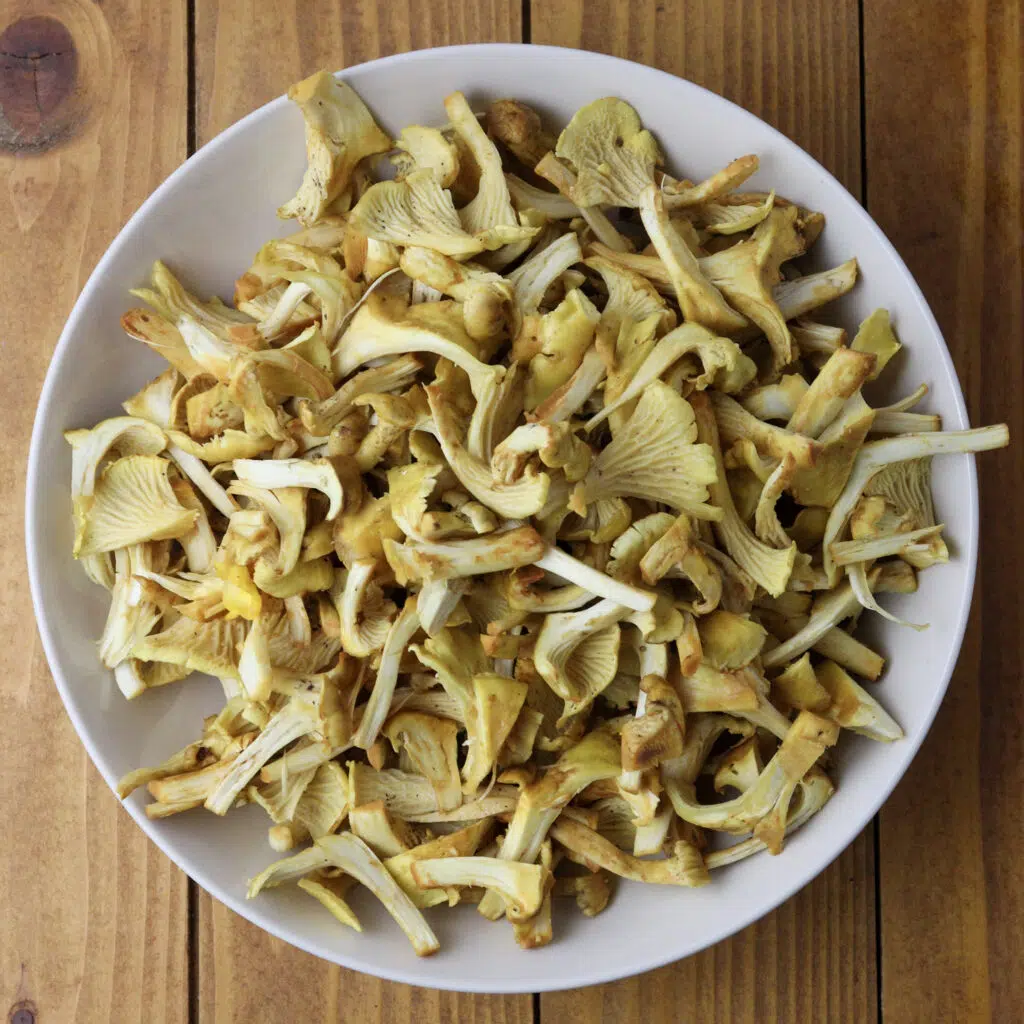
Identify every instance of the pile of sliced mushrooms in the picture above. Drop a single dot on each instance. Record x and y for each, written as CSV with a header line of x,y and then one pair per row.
x,y
524,509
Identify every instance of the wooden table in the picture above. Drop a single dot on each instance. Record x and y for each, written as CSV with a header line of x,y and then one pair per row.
x,y
916,106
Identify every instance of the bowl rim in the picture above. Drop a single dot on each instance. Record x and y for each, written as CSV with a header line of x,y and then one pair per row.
x,y
577,976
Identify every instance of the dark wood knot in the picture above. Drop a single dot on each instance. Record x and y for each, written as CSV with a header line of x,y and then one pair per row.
x,y
38,74
22,1012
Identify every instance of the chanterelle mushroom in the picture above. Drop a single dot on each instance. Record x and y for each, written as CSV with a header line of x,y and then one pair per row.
x,y
340,132
525,531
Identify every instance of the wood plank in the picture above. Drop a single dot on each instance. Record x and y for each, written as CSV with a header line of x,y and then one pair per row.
x,y
321,33
93,105
794,63
229,83
810,960
797,66
944,173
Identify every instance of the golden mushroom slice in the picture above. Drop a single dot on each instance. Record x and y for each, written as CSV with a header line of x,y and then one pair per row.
x,y
426,149
812,793
699,299
489,214
684,867
723,365
385,834
770,567
418,211
730,177
486,296
376,711
519,500
839,379
655,455
340,132
274,474
801,295
733,217
364,613
378,329
521,886
355,858
594,758
747,272
562,338
807,739
577,653
133,501
612,154
174,302
464,842
876,455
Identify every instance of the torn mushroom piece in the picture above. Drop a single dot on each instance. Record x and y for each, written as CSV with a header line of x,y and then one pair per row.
x,y
655,456
319,475
683,194
554,444
770,567
839,379
485,295
699,299
132,502
677,554
684,866
853,707
489,214
557,345
355,858
747,272
420,148
594,758
426,561
378,329
489,703
656,734
812,793
577,653
364,613
876,455
757,808
613,156
521,886
519,500
340,132
556,171
418,211
431,745
724,365
385,834
401,632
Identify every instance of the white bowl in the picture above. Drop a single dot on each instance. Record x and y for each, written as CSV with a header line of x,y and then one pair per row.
x,y
207,220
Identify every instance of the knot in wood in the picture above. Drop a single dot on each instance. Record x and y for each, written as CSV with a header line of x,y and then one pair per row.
x,y
38,73
22,1012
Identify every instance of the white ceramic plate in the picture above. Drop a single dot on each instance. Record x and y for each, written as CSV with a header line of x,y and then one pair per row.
x,y
207,220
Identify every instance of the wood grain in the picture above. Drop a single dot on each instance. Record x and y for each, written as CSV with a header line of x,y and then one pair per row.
x,y
312,34
796,66
811,960
944,174
94,916
794,63
229,83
